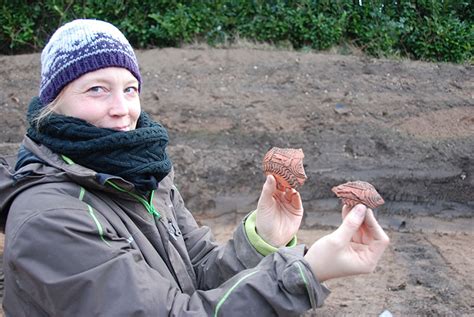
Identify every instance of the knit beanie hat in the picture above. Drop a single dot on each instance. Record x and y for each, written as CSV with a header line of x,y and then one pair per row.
x,y
79,47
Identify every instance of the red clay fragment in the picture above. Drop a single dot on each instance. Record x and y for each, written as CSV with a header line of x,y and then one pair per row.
x,y
358,192
287,167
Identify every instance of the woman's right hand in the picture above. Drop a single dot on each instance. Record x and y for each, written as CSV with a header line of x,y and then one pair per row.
x,y
354,248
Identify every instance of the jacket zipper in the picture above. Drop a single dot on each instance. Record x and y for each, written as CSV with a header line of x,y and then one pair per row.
x,y
147,204
173,231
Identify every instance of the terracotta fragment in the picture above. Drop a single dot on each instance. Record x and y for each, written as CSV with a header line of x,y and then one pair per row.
x,y
286,165
358,192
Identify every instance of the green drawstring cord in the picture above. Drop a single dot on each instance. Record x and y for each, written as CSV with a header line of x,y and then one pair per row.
x,y
67,160
147,204
89,207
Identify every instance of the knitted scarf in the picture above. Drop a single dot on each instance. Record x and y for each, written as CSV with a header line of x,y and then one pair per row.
x,y
138,156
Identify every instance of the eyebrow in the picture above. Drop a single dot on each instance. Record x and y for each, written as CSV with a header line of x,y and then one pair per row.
x,y
101,79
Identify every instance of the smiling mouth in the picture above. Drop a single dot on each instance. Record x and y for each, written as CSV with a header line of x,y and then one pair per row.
x,y
124,128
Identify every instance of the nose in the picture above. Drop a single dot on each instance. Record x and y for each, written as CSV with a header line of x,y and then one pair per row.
x,y
119,105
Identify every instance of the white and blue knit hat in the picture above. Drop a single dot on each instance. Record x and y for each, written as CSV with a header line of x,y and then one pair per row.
x,y
79,47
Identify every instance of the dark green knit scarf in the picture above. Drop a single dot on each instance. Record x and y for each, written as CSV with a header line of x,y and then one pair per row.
x,y
138,156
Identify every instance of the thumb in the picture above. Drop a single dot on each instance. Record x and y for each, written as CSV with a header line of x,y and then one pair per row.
x,y
351,223
269,186
268,189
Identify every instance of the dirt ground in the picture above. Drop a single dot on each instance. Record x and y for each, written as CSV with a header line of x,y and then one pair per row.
x,y
407,127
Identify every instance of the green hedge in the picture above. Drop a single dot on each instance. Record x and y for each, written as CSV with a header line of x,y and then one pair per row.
x,y
433,30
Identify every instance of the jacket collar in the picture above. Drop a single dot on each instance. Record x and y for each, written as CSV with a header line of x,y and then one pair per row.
x,y
36,164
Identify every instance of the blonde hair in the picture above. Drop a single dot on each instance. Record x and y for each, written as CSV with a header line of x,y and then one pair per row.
x,y
48,110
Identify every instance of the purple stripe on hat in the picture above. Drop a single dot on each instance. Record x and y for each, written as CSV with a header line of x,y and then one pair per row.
x,y
83,65
80,47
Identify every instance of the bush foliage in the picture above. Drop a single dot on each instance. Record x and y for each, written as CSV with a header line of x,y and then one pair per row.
x,y
432,30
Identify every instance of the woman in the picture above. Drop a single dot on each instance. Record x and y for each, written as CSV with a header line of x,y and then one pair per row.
x,y
96,226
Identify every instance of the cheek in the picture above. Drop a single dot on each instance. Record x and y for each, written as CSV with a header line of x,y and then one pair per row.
x,y
135,110
83,109
91,113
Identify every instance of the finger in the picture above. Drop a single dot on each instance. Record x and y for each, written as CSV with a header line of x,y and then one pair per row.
x,y
270,186
296,200
351,223
289,193
290,200
345,211
266,196
374,227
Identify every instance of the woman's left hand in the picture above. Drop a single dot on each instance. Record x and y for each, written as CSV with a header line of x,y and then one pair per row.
x,y
279,214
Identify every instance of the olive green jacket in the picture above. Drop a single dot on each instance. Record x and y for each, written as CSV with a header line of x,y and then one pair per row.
x,y
80,243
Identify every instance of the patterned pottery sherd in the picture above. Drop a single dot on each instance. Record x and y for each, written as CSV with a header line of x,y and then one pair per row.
x,y
358,192
286,165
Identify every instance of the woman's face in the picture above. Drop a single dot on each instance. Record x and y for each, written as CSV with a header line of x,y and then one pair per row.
x,y
106,98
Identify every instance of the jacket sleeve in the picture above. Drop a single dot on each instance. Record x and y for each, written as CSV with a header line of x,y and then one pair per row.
x,y
214,264
62,263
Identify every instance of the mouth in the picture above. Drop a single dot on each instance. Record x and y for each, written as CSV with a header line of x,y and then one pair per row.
x,y
121,128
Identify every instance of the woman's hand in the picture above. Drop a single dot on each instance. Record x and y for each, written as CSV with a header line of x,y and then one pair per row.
x,y
354,248
279,214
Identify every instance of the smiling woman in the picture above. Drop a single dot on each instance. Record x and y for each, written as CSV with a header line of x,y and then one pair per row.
x,y
96,226
106,98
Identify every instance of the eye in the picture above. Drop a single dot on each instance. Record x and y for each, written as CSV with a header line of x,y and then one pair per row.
x,y
131,90
96,90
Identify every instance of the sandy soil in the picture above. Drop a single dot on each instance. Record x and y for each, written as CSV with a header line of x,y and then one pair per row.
x,y
421,274
407,127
